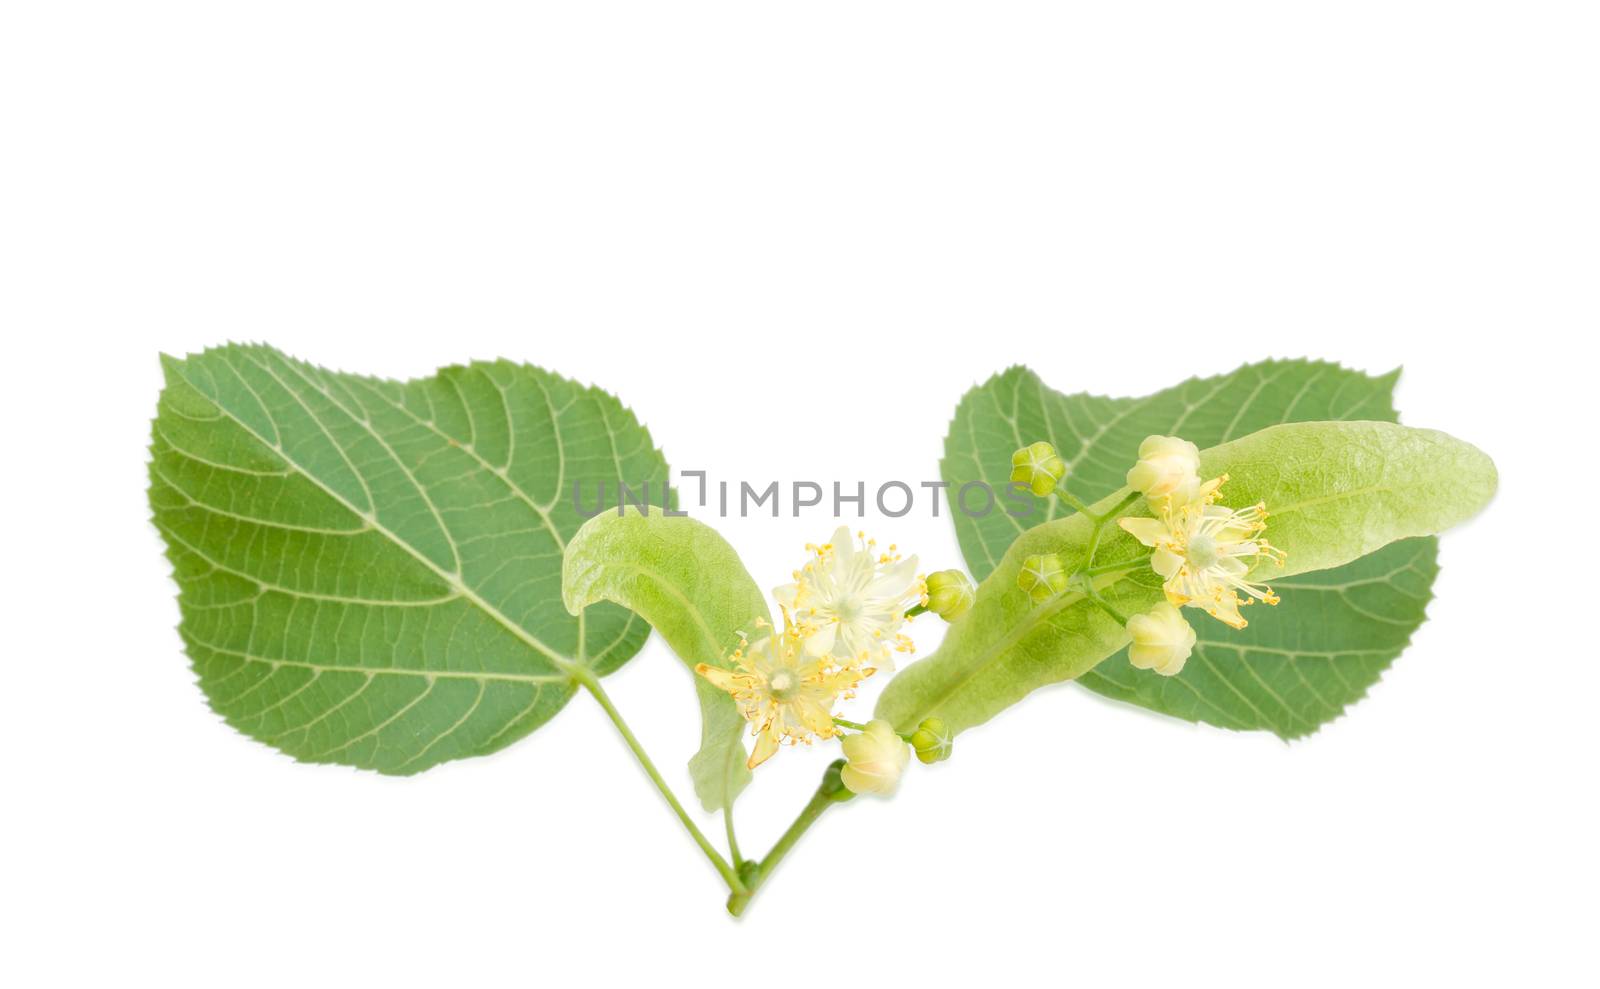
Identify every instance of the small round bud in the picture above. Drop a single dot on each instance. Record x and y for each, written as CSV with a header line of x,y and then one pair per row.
x,y
1043,577
950,594
1038,467
1162,640
833,783
933,741
876,758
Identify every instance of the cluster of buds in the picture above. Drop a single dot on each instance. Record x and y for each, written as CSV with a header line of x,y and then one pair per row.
x,y
875,758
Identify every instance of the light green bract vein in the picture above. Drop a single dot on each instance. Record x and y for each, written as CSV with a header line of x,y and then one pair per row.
x,y
369,570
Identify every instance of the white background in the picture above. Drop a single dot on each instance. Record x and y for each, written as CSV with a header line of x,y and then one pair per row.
x,y
790,237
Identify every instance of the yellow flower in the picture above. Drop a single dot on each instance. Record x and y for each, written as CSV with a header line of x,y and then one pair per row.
x,y
1162,640
1202,549
785,693
849,601
1167,466
877,757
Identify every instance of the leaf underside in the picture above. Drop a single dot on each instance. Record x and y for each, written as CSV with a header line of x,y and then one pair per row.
x,y
1296,666
369,570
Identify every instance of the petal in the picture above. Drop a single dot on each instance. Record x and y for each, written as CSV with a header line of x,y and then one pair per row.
x,y
1225,609
1166,563
787,595
820,642
766,744
1142,476
854,780
844,547
723,679
855,746
1142,657
1147,531
894,579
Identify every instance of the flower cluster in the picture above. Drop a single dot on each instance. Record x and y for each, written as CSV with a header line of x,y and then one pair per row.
x,y
842,620
1203,551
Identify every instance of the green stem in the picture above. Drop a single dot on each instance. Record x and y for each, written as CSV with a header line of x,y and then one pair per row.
x,y
1077,506
733,840
592,684
1128,499
820,801
842,723
1105,606
1100,524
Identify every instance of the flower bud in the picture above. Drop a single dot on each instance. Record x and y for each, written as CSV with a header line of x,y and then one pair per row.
x,y
875,759
1166,465
950,594
1043,577
1162,640
1038,467
933,741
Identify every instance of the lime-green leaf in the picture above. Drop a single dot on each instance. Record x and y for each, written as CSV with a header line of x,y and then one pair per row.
x,y
1337,491
1265,676
369,570
687,582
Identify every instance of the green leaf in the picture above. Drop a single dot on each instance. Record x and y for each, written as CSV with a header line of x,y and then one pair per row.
x,y
1337,492
369,570
1265,676
687,582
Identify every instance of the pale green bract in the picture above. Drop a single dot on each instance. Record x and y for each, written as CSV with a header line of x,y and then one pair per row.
x,y
1294,668
370,570
1337,491
687,582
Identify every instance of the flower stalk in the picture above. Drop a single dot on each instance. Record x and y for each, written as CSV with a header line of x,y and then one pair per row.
x,y
591,683
829,792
